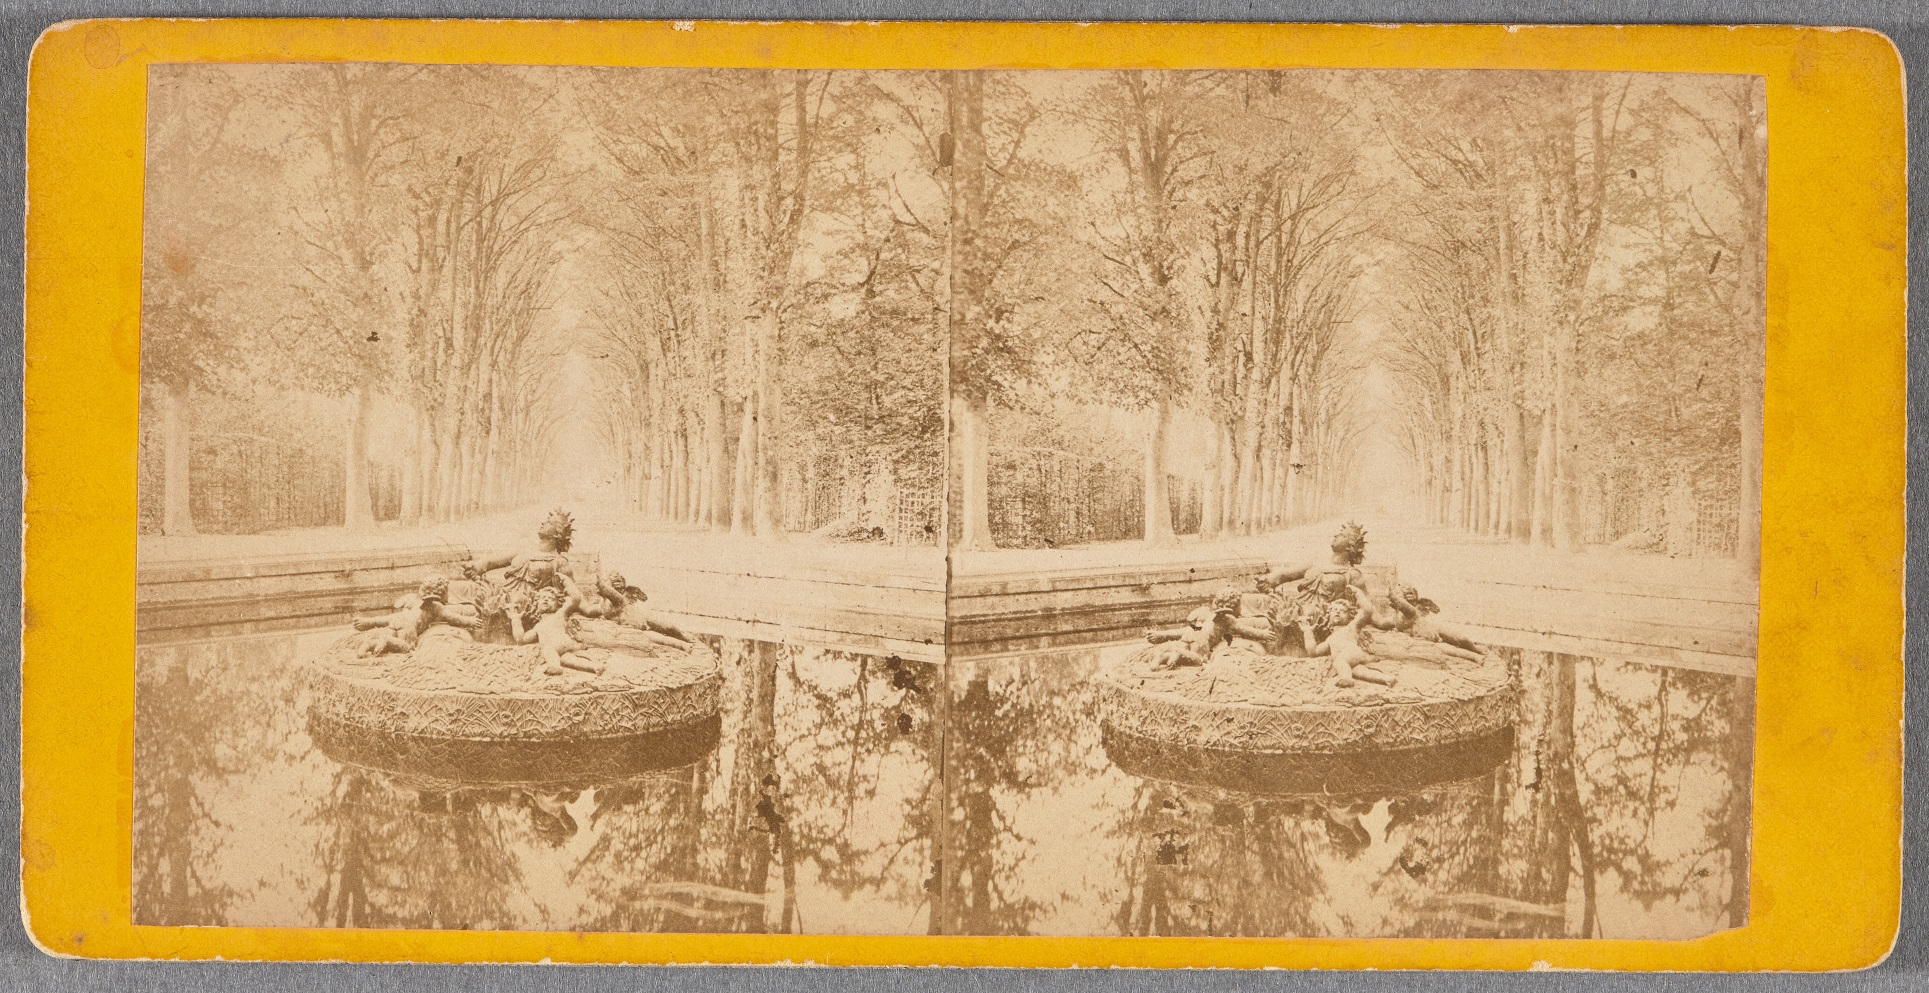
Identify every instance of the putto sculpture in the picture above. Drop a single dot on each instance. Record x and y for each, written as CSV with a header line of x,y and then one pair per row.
x,y
1207,630
526,647
622,603
402,630
1311,658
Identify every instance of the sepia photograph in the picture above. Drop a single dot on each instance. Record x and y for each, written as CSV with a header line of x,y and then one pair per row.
x,y
1357,503
1254,503
542,487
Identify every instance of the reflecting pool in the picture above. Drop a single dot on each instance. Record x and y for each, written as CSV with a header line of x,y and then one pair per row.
x,y
845,793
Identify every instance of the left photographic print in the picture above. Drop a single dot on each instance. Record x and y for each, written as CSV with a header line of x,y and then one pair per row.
x,y
541,490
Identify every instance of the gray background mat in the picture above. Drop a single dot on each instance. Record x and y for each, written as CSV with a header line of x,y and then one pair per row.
x,y
23,967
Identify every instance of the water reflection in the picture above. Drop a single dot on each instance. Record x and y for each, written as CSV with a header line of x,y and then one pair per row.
x,y
402,854
840,793
1617,808
186,765
802,806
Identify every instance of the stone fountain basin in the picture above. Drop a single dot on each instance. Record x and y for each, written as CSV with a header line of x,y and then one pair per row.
x,y
1299,774
561,762
1274,704
453,689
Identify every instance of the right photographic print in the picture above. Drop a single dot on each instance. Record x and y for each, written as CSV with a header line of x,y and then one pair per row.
x,y
1354,503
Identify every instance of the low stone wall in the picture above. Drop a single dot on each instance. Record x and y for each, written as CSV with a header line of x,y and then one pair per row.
x,y
864,612
1007,613
1685,628
281,592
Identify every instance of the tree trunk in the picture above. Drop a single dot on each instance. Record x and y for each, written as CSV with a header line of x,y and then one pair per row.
x,y
177,509
1211,518
411,515
1443,474
754,776
462,480
744,488
1489,473
1566,481
1282,483
938,797
1295,457
699,486
1565,786
489,492
1526,447
690,441
1250,504
431,471
1268,488
770,462
974,471
1741,762
470,471
679,479
1246,485
357,511
1543,518
1547,868
448,463
1158,508
715,455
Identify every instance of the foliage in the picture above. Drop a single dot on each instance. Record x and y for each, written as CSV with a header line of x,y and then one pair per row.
x,y
1572,264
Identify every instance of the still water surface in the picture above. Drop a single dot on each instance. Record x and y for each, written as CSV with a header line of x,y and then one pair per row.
x,y
1618,808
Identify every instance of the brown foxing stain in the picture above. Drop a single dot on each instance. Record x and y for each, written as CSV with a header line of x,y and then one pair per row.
x,y
36,852
178,258
1804,62
102,47
124,343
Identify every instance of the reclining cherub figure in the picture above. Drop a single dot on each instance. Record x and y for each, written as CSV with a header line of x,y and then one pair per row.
x,y
400,631
550,633
1420,619
1189,644
1206,630
1351,660
623,603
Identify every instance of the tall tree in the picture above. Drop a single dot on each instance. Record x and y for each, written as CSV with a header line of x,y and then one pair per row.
x,y
201,310
1004,278
485,208
1733,130
810,300
1562,224
1147,125
670,261
354,116
1284,211
963,155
